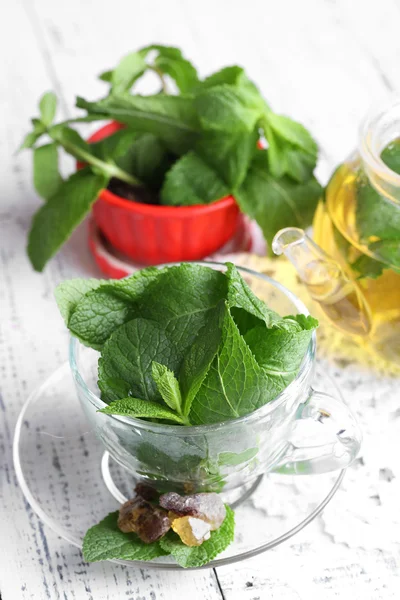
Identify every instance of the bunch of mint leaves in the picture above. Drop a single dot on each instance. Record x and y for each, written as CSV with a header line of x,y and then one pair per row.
x,y
186,345
105,541
190,148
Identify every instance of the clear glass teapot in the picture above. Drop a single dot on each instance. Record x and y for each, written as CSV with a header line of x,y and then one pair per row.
x,y
352,265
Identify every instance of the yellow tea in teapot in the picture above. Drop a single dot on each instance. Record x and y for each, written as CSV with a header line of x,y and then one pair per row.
x,y
352,265
360,229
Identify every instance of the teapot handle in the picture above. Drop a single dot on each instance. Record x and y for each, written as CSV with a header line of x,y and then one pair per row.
x,y
339,447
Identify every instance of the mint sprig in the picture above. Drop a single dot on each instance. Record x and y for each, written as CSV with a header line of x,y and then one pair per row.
x,y
182,149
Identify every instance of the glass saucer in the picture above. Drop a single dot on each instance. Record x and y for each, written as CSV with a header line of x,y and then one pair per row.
x,y
71,483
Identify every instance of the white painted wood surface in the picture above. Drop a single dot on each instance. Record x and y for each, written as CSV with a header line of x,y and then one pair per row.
x,y
321,61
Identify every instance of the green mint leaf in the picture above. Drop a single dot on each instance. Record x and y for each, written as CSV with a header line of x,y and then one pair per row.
x,y
375,216
181,301
391,156
229,154
129,352
232,459
134,407
228,75
105,541
46,177
200,355
235,384
114,146
248,310
69,293
129,69
292,150
148,159
48,107
280,352
171,62
106,76
368,267
114,389
56,220
96,315
172,119
276,203
30,140
191,181
388,251
197,556
225,108
70,140
167,385
293,132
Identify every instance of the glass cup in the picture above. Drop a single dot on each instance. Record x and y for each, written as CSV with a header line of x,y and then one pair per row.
x,y
300,431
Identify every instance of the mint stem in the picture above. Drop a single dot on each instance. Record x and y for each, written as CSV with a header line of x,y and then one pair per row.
x,y
108,169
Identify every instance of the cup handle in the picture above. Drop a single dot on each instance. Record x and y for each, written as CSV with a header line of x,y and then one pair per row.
x,y
336,452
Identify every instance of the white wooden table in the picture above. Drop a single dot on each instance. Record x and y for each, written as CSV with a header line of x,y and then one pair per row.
x,y
320,61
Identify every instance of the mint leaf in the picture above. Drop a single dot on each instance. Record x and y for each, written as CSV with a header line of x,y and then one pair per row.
x,y
292,150
276,203
46,177
233,459
167,385
134,407
114,146
225,108
170,61
197,556
113,389
190,182
105,541
148,159
96,315
128,355
181,301
48,107
128,70
228,75
229,154
172,119
375,216
69,293
246,303
200,355
55,221
280,352
368,267
235,384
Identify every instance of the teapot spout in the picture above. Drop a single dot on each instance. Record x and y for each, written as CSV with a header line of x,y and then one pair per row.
x,y
338,296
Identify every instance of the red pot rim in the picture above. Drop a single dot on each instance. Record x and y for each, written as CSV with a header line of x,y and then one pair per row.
x,y
151,209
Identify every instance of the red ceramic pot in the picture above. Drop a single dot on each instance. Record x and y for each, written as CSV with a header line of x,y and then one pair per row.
x,y
154,234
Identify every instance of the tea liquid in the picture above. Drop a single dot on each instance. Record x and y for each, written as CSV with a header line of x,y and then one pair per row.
x,y
335,230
